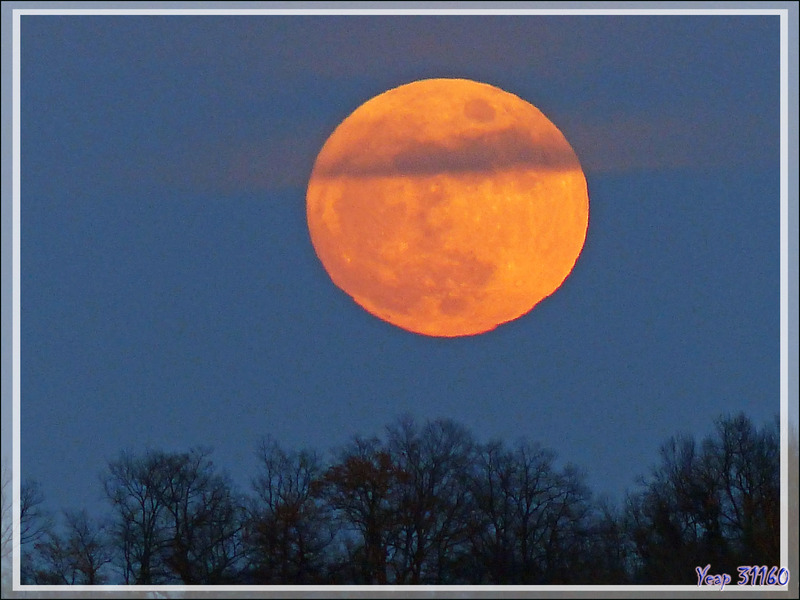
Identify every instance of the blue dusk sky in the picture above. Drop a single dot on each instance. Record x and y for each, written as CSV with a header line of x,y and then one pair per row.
x,y
171,296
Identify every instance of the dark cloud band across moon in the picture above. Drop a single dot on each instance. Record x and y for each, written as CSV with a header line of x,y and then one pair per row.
x,y
491,151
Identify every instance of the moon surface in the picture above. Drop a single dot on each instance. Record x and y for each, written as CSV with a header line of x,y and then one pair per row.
x,y
447,207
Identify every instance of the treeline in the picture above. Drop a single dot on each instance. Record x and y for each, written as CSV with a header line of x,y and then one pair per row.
x,y
424,504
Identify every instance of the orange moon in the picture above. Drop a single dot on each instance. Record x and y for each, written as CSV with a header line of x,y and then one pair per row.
x,y
447,207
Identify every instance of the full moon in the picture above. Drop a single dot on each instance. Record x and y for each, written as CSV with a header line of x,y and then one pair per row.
x,y
447,207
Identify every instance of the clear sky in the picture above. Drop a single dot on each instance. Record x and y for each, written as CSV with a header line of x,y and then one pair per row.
x,y
171,296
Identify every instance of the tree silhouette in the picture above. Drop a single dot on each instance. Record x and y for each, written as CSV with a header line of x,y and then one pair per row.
x,y
6,525
175,518
433,497
364,490
715,502
75,558
288,527
427,504
530,520
132,486
34,524
609,555
745,464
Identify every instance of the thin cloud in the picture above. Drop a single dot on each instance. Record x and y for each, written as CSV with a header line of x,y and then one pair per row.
x,y
487,152
616,144
685,141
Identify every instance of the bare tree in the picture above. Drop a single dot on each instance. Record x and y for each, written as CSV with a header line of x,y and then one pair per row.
x,y
134,487
34,524
288,527
7,525
568,527
529,519
715,502
434,498
204,519
607,558
744,464
33,521
363,487
427,505
175,518
78,557
675,518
